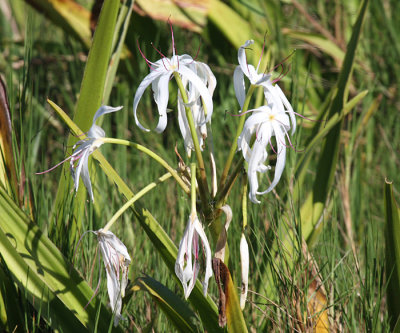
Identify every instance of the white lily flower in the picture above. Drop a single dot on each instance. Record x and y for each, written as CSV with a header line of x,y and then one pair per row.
x,y
116,259
159,77
273,93
265,122
195,103
85,147
184,268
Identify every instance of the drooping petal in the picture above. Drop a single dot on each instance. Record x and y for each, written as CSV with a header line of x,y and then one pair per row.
x,y
206,247
161,96
105,109
84,173
281,158
239,86
140,90
288,106
115,257
244,265
201,87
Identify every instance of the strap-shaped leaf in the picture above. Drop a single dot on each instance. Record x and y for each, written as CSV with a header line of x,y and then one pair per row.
x,y
173,306
49,280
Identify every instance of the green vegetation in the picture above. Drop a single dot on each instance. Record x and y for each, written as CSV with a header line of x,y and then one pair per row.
x,y
323,247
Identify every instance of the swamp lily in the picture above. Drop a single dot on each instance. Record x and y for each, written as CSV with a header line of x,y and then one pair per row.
x,y
85,147
196,105
116,260
184,268
160,74
265,122
273,93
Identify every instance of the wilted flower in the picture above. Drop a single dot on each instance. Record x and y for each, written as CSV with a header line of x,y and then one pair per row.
x,y
184,269
196,105
160,74
265,122
116,260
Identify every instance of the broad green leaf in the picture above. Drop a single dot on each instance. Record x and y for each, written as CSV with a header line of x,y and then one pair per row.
x,y
161,241
90,99
67,14
39,268
312,209
188,14
175,309
235,28
392,242
319,42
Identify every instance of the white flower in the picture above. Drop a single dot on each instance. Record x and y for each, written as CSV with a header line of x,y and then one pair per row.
x,y
272,91
83,149
184,269
265,122
195,103
116,259
159,77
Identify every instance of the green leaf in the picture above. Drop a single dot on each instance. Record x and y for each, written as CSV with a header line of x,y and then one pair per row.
x,y
392,241
67,14
320,42
235,28
173,306
90,99
40,269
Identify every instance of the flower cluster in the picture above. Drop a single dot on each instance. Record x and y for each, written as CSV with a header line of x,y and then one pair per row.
x,y
196,84
275,118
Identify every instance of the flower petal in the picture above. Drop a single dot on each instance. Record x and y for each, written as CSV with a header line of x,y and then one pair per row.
x,y
238,84
201,87
140,90
242,60
244,265
161,95
105,109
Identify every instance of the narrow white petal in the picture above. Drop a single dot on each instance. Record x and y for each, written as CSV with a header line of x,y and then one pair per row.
x,y
281,158
242,56
206,245
201,87
140,90
162,102
105,109
238,84
84,173
288,106
244,265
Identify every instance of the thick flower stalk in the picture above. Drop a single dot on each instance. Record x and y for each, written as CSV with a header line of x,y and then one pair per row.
x,y
160,74
116,260
265,122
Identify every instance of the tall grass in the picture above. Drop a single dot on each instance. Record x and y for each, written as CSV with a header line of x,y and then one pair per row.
x,y
345,258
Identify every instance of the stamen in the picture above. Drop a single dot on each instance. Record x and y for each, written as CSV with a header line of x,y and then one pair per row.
x,y
144,57
52,168
162,56
262,53
272,146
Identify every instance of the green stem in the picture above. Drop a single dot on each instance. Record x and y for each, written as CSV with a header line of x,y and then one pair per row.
x,y
152,155
189,116
136,197
238,132
193,187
